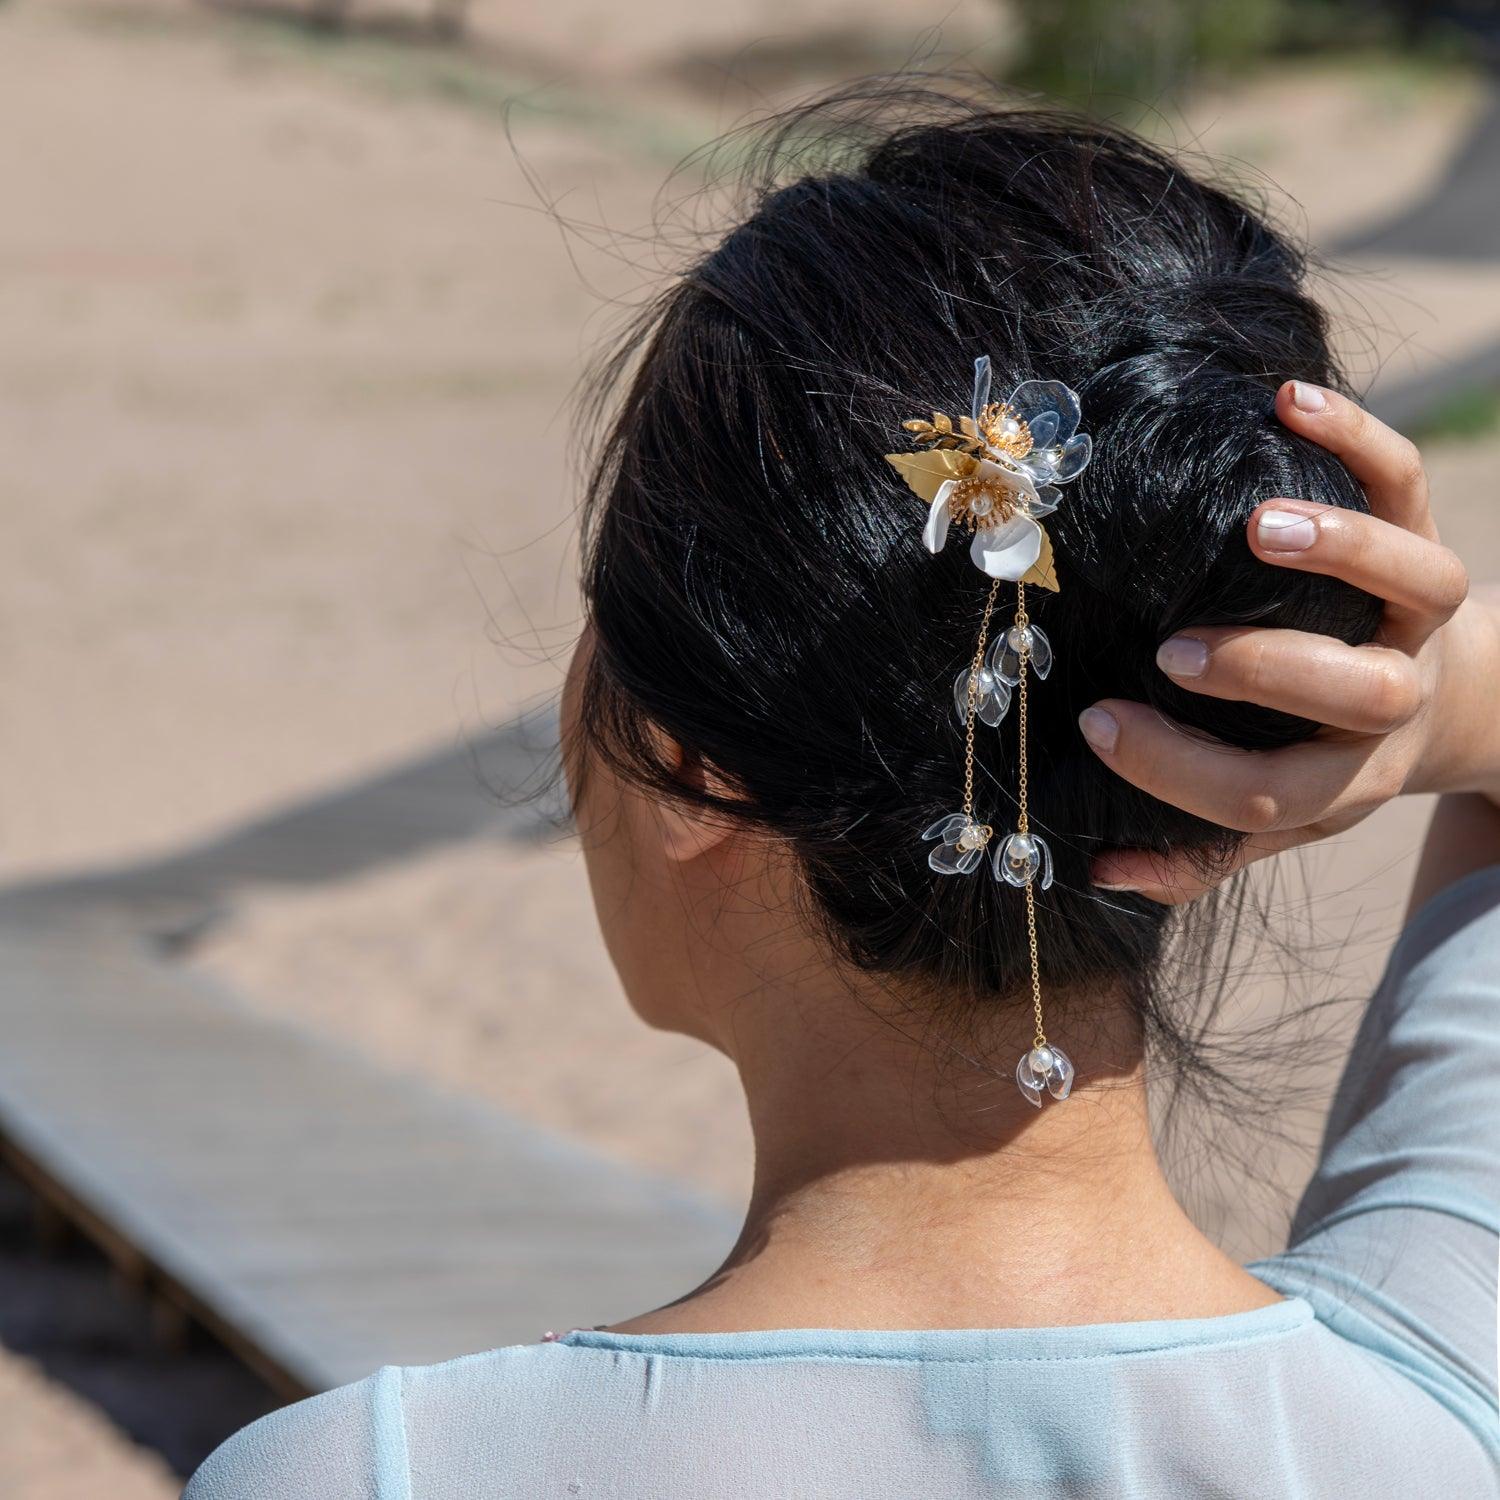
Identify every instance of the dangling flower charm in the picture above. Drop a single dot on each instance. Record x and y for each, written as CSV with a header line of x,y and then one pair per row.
x,y
1020,858
1021,642
991,696
997,471
1044,1066
963,844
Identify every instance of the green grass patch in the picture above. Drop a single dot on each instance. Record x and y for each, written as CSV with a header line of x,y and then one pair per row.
x,y
1463,416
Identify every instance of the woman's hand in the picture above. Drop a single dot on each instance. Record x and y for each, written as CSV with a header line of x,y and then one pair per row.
x,y
1413,711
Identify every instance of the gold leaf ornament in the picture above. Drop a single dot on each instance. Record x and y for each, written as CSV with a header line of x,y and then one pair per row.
x,y
1043,572
926,473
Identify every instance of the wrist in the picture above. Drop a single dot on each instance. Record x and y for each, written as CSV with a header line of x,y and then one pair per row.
x,y
1463,751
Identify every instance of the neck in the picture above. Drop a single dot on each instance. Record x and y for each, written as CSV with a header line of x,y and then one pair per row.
x,y
903,1182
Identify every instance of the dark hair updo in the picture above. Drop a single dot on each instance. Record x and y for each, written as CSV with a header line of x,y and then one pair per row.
x,y
754,570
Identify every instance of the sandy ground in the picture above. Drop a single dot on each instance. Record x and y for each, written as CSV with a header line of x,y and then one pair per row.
x,y
283,428
55,1447
285,348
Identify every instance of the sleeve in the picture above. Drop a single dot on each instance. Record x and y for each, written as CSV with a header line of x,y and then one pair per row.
x,y
346,1444
1396,1239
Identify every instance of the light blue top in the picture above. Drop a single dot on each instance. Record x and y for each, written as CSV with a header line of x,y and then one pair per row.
x,y
1375,1378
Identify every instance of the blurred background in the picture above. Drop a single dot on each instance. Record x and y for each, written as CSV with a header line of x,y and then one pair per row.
x,y
292,300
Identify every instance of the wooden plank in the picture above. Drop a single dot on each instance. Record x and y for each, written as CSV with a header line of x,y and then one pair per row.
x,y
324,1216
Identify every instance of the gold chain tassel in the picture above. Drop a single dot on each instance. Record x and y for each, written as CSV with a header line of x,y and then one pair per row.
x,y
994,473
1023,818
971,716
1043,1066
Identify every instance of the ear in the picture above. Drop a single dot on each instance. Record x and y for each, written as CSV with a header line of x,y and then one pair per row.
x,y
688,832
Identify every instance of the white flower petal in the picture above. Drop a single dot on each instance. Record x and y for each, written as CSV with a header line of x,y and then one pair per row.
x,y
1015,479
939,516
1008,550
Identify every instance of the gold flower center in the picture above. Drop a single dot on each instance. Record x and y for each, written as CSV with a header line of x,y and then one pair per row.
x,y
1004,431
975,836
981,500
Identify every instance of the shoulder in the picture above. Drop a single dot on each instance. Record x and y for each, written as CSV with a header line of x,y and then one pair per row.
x,y
353,1443
335,1445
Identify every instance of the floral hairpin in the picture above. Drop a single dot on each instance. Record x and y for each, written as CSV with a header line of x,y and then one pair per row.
x,y
995,472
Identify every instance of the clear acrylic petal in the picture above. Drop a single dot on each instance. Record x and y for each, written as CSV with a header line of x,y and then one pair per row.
x,y
1041,652
939,516
981,386
1004,660
1004,657
1046,1065
961,696
1042,844
1060,1074
1041,464
1016,859
1035,399
1048,498
996,703
949,859
1044,430
1007,550
947,828
991,698
1074,458
1027,1082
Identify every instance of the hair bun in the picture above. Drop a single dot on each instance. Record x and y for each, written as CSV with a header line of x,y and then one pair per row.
x,y
754,571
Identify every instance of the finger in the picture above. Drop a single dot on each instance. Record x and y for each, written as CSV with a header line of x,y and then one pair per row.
x,y
1387,465
1421,580
1177,878
1366,689
1259,792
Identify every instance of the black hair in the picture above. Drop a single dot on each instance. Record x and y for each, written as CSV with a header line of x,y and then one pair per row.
x,y
754,571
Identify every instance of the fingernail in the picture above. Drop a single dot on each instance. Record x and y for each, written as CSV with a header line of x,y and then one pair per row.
x,y
1183,656
1285,531
1114,885
1100,728
1307,397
